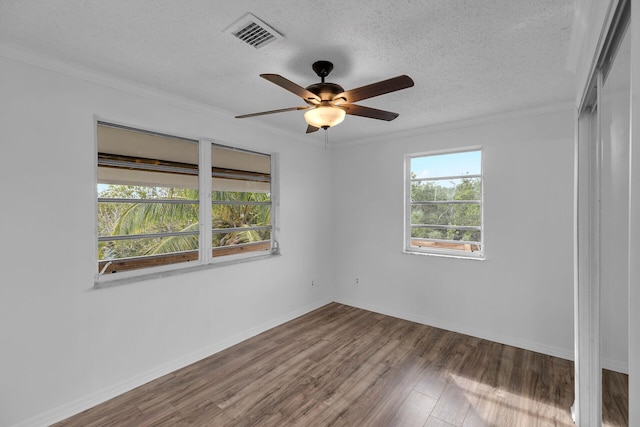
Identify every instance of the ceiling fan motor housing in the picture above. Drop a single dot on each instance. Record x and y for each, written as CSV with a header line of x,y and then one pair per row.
x,y
326,91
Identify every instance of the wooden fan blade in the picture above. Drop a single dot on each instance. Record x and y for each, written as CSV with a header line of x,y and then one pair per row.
x,y
292,87
375,89
282,110
372,113
311,129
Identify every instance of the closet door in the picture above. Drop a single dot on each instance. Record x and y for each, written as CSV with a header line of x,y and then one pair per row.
x,y
604,247
614,114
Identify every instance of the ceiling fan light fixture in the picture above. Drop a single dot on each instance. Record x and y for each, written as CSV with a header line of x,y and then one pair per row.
x,y
324,116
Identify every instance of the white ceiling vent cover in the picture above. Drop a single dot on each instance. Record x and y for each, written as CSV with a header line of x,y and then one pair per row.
x,y
253,31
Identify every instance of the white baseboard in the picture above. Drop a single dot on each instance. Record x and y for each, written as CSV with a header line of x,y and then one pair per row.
x,y
562,353
615,365
610,364
100,396
96,398
425,320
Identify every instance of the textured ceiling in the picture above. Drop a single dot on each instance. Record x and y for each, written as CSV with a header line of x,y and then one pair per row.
x,y
468,58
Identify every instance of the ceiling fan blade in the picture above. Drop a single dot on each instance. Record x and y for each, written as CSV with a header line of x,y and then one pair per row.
x,y
282,110
375,89
311,129
292,87
371,113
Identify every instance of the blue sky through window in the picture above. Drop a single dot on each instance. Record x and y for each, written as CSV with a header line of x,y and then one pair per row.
x,y
451,164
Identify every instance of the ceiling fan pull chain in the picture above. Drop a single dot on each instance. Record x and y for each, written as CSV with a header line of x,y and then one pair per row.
x,y
326,138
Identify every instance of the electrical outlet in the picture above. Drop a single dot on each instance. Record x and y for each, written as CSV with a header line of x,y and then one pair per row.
x,y
357,280
313,283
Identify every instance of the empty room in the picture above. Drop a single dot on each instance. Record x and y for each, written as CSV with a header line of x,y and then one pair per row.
x,y
302,213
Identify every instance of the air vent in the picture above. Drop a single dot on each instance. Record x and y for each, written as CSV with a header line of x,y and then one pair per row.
x,y
253,31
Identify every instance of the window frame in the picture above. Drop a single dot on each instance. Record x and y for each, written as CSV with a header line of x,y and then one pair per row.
x,y
237,252
408,203
205,258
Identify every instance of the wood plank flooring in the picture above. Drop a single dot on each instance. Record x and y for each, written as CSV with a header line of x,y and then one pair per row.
x,y
343,366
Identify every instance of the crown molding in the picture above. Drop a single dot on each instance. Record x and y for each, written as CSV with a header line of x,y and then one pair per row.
x,y
40,60
464,123
36,59
70,69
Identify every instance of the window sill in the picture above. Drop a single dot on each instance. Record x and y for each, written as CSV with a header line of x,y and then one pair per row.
x,y
105,281
480,257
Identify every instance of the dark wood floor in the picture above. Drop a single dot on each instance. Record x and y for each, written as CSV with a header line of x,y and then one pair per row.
x,y
342,366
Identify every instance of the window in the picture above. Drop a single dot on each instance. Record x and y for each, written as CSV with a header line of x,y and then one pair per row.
x,y
151,191
444,204
241,201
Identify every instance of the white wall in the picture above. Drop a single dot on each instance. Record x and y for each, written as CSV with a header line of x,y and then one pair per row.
x,y
65,345
522,294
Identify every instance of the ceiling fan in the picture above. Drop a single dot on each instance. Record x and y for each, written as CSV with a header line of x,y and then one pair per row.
x,y
328,103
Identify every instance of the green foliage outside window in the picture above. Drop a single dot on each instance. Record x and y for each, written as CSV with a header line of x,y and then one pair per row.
x,y
446,214
131,218
240,215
